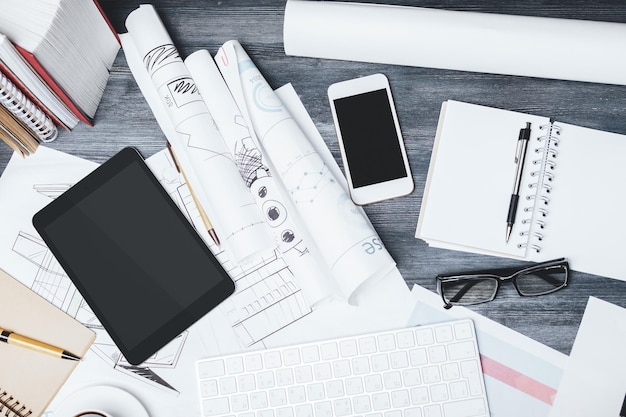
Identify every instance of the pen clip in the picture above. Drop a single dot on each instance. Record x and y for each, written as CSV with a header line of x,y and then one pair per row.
x,y
524,134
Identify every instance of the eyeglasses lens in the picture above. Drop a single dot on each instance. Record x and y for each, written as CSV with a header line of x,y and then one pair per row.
x,y
469,291
542,281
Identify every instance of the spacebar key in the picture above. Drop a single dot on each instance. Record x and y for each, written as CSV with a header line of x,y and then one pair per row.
x,y
466,408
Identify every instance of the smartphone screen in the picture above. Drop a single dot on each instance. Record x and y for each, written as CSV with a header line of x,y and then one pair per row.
x,y
370,138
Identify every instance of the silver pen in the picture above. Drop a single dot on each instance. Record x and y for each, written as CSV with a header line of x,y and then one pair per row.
x,y
520,157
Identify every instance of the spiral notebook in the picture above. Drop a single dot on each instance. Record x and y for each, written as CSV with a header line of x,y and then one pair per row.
x,y
24,109
571,200
29,379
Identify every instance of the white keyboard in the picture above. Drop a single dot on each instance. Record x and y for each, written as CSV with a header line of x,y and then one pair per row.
x,y
425,371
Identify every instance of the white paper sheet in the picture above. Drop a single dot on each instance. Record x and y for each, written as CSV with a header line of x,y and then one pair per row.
x,y
594,383
346,240
521,375
565,49
198,144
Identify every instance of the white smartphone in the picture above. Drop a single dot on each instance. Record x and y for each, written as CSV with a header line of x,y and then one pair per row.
x,y
370,140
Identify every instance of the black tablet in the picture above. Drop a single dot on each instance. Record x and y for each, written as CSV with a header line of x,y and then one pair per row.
x,y
134,257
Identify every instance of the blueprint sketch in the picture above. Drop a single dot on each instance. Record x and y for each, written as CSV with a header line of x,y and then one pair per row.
x,y
341,231
197,143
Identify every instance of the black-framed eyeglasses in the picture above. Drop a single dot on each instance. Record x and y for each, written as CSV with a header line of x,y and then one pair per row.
x,y
481,287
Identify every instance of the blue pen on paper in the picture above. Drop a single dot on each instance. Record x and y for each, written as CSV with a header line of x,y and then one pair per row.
x,y
520,157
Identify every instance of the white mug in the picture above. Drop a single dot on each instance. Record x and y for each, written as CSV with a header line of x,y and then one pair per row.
x,y
92,413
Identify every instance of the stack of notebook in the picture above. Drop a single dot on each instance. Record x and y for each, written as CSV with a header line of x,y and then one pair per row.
x,y
54,66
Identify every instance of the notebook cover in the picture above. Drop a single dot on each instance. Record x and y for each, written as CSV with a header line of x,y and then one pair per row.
x,y
34,378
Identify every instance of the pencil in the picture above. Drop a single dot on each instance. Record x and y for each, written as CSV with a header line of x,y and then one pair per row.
x,y
203,215
15,339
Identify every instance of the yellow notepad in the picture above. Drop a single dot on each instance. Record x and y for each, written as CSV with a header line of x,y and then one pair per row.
x,y
30,379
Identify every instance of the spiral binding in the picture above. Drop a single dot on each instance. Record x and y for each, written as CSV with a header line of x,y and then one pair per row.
x,y
11,407
547,152
27,111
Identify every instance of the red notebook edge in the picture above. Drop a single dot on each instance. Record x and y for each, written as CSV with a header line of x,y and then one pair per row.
x,y
39,69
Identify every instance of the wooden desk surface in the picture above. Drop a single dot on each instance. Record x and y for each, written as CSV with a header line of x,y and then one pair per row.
x,y
124,119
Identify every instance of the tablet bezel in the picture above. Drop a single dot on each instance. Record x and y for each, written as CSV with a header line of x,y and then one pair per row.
x,y
185,317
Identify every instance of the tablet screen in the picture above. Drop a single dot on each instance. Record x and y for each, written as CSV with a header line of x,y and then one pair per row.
x,y
134,257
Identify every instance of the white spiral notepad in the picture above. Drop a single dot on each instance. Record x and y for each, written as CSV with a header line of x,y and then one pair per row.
x,y
570,204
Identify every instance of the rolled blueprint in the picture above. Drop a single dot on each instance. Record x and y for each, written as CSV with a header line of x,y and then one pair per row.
x,y
344,236
213,175
564,49
254,167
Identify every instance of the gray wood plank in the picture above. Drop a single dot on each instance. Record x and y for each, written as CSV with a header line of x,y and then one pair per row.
x,y
124,119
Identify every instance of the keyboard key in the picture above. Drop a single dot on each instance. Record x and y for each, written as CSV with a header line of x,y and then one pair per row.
x,y
380,362
285,412
405,339
208,388
341,368
296,394
399,359
348,348
392,380
310,354
463,331
373,383
354,386
418,357
291,357
246,382
329,351
424,337
471,371
322,371
228,385
272,360
342,407
461,350
381,401
400,399
323,409
334,389
437,354
315,392
234,365
439,392
432,411
258,400
450,371
367,345
253,362
278,397
265,380
211,369
361,404
386,342
215,407
305,410
466,408
284,377
443,334
360,365
411,377
304,374
239,402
